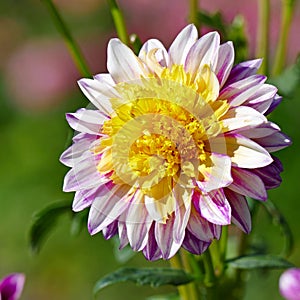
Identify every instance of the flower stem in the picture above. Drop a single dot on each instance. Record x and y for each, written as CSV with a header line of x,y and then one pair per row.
x,y
263,34
193,13
223,248
70,42
119,21
182,289
287,11
210,278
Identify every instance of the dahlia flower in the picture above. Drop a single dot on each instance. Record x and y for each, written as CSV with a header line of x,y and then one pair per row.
x,y
11,286
289,284
174,143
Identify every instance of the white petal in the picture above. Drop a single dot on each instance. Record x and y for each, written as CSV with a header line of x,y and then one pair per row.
x,y
122,63
244,152
225,62
248,184
242,117
85,120
99,93
215,208
219,174
182,45
203,52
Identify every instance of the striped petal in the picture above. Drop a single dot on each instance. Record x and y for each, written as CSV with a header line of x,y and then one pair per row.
x,y
194,245
248,184
225,62
215,208
274,142
182,45
122,64
240,214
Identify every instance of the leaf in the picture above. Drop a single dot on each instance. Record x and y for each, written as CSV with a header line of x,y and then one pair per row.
x,y
154,277
44,222
136,43
212,20
259,262
79,221
279,220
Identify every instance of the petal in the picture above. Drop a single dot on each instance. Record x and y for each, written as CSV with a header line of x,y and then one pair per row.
x,y
242,117
260,131
203,52
262,98
199,226
160,51
270,174
83,175
122,63
215,208
75,152
244,152
164,238
87,121
274,142
243,70
151,250
138,223
108,205
122,235
11,286
248,184
182,45
238,92
225,62
105,78
193,244
240,214
111,230
99,93
217,174
276,101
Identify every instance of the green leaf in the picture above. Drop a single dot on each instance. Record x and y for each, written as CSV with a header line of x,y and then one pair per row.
x,y
279,220
79,221
135,43
44,221
259,262
212,20
124,255
154,277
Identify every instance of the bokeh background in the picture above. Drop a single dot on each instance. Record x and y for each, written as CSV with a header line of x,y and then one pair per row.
x,y
38,86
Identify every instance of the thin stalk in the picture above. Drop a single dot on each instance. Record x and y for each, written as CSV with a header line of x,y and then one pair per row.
x,y
119,21
193,293
263,34
182,289
72,46
287,12
193,11
223,248
210,278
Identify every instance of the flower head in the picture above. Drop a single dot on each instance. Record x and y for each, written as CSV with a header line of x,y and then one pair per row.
x,y
11,286
289,284
175,143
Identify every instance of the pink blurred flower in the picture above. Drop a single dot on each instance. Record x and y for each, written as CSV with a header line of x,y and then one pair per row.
x,y
289,284
11,286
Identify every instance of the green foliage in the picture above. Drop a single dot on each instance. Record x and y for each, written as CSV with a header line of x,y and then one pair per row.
x,y
259,262
164,297
45,221
154,277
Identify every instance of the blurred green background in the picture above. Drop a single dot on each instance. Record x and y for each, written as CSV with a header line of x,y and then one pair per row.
x,y
38,86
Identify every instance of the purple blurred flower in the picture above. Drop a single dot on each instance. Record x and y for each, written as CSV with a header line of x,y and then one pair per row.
x,y
289,284
177,141
11,286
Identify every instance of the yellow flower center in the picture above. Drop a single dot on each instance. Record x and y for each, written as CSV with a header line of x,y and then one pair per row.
x,y
160,128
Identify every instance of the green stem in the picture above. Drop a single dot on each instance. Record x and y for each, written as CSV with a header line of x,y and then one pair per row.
x,y
70,42
210,278
287,11
223,248
193,13
193,293
263,34
182,289
119,21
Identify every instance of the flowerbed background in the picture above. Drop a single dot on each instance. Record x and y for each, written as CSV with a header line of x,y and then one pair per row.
x,y
38,85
